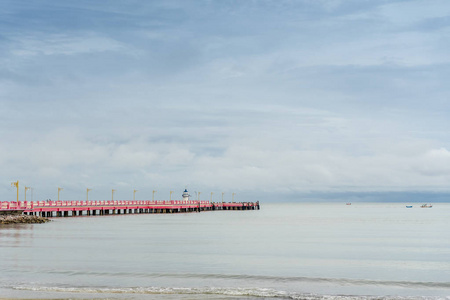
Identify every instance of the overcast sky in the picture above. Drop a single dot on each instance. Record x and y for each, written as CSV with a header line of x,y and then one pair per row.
x,y
276,97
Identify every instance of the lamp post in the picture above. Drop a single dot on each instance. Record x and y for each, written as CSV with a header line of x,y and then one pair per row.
x,y
134,194
153,195
211,196
59,189
26,188
112,194
199,196
87,194
16,184
232,197
222,196
170,198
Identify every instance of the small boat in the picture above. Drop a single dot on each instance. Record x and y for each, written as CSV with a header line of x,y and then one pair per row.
x,y
409,206
348,203
426,205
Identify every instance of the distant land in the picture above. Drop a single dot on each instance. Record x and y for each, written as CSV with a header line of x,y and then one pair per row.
x,y
395,196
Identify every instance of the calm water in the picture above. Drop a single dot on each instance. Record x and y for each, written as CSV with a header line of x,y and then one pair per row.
x,y
283,251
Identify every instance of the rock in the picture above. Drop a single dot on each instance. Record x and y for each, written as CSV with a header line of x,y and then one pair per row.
x,y
22,219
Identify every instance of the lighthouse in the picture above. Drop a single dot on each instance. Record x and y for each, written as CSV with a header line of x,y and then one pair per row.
x,y
185,195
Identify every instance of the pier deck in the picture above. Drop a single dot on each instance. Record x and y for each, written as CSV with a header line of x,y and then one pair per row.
x,y
88,208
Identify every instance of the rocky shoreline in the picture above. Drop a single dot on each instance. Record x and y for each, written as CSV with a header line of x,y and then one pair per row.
x,y
22,219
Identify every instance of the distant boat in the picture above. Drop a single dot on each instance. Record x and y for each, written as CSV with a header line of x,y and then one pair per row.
x,y
409,206
348,203
426,205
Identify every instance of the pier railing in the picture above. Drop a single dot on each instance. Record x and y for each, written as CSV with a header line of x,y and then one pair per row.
x,y
103,207
25,205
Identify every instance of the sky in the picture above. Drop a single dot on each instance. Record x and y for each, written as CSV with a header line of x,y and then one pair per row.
x,y
265,99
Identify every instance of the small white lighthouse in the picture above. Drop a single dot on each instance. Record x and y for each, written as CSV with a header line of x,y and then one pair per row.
x,y
186,195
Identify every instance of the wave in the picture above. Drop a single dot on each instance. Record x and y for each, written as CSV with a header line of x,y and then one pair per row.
x,y
260,278
235,292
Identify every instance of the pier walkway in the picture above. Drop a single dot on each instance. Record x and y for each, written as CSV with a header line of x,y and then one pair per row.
x,y
92,208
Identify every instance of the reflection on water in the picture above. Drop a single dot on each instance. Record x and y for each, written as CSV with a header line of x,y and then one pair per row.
x,y
16,235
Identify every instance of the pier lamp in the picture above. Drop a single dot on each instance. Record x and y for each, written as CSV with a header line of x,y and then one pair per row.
x,y
222,196
199,196
232,197
134,194
26,188
112,194
211,196
16,185
59,189
87,194
170,198
153,195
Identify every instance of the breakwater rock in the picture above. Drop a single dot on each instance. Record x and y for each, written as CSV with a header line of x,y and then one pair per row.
x,y
22,219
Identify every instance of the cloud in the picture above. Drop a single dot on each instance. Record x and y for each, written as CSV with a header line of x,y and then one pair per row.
x,y
435,163
58,44
273,96
414,12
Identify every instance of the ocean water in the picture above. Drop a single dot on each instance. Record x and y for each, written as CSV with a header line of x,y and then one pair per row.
x,y
283,251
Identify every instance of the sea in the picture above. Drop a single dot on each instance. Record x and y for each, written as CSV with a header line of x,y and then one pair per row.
x,y
283,251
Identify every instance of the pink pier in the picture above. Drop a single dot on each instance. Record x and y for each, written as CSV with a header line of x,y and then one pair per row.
x,y
92,208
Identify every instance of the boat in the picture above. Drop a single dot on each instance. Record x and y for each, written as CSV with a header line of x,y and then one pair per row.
x,y
348,203
426,205
409,206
